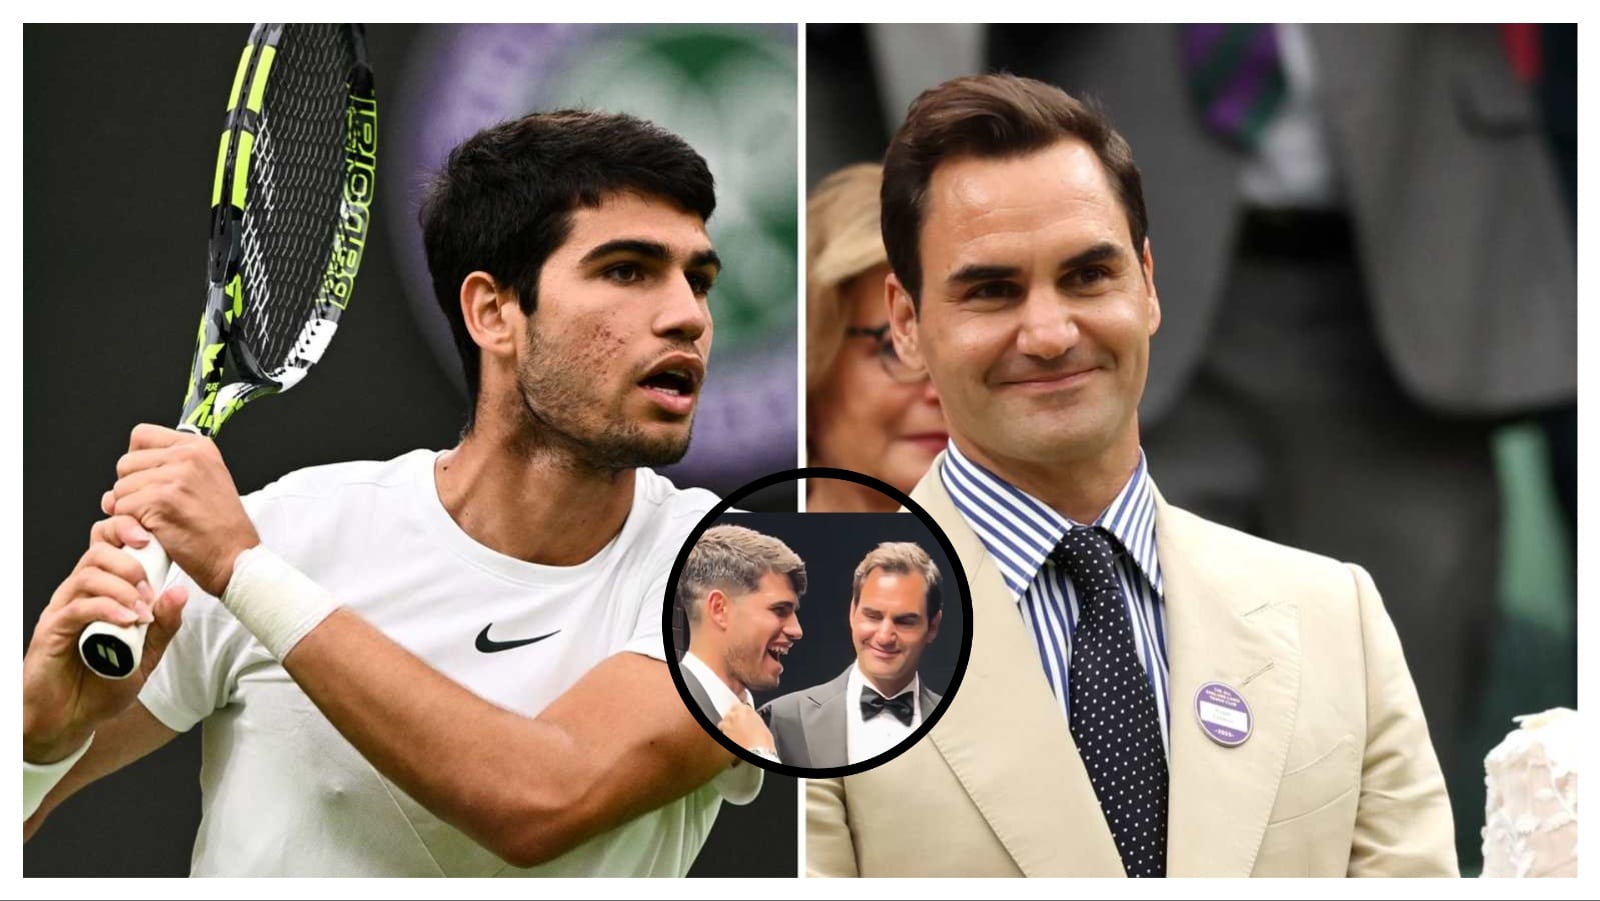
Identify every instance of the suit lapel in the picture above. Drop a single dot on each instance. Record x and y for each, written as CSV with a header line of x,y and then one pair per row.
x,y
701,697
822,715
1222,627
1002,733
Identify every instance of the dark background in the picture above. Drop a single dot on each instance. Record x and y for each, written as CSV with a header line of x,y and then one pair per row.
x,y
120,126
832,544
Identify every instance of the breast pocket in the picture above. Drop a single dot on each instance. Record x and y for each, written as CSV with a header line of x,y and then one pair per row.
x,y
1313,820
1312,786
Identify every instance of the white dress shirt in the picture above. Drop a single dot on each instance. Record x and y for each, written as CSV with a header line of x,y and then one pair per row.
x,y
864,738
722,697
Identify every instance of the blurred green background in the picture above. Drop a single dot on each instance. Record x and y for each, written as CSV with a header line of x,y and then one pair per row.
x,y
1534,663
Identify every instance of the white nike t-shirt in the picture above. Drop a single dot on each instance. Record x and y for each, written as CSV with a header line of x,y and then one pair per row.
x,y
285,794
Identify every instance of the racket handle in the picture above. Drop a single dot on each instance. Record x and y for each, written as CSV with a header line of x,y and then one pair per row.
x,y
114,651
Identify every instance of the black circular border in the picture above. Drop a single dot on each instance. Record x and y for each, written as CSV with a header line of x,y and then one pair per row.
x,y
796,475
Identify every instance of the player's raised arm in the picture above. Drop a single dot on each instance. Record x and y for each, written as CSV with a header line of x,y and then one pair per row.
x,y
617,744
63,703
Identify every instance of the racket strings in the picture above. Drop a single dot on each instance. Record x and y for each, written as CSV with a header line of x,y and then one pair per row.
x,y
293,203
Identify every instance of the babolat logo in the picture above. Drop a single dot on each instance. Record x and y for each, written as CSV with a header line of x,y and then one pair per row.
x,y
361,147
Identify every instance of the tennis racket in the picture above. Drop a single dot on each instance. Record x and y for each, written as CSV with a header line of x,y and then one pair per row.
x,y
290,204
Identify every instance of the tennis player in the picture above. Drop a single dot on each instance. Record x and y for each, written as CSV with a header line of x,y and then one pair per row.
x,y
448,663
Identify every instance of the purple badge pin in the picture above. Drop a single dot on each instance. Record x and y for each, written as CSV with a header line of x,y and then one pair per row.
x,y
1223,715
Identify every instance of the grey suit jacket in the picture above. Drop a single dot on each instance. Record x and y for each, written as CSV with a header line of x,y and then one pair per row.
x,y
1470,268
809,726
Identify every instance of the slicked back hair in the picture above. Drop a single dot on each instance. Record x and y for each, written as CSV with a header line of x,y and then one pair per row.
x,y
990,116
900,558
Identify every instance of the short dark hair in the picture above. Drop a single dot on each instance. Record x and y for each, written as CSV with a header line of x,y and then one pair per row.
x,y
503,201
999,115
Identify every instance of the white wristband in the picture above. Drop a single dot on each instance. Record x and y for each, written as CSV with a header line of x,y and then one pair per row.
x,y
276,602
39,778
740,783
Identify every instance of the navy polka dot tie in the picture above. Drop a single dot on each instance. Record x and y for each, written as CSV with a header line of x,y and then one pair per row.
x,y
1113,717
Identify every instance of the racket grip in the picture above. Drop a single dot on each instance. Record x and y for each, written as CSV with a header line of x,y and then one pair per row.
x,y
112,651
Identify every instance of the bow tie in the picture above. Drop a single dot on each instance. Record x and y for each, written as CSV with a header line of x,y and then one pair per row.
x,y
873,704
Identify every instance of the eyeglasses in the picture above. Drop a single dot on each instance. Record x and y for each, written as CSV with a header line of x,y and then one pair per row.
x,y
896,368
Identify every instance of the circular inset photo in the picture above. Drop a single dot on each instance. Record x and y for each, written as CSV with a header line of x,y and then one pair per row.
x,y
817,644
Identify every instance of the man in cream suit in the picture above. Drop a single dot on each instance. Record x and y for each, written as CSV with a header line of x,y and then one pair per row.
x,y
1148,693
878,701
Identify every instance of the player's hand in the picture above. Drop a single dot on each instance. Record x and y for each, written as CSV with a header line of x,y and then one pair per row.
x,y
744,727
176,485
62,701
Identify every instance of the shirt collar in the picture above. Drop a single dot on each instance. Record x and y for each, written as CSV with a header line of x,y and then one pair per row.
x,y
721,696
1019,530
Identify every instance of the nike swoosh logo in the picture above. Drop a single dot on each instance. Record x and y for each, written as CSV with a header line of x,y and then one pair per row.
x,y
490,646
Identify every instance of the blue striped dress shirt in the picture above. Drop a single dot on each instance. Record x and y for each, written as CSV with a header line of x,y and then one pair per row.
x,y
1019,531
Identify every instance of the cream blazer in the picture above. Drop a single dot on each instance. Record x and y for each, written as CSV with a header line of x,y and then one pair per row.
x,y
1337,778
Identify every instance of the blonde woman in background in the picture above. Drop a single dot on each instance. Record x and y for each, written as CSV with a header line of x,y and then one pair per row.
x,y
866,410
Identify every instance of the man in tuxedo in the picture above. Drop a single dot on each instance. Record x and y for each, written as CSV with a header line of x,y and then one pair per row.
x,y
741,591
1148,693
879,700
